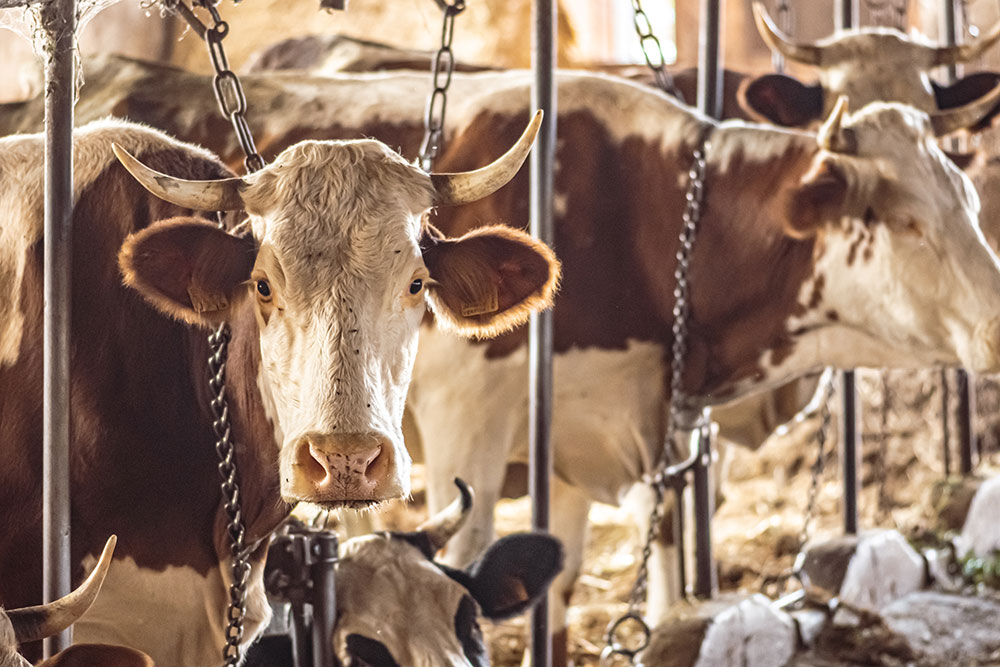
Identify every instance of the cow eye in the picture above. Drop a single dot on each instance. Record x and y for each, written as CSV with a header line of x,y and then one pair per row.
x,y
416,286
365,652
263,289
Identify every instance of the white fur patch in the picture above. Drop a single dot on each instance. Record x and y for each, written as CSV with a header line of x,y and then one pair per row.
x,y
177,616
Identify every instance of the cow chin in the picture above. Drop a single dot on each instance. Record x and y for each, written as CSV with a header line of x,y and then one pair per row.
x,y
982,355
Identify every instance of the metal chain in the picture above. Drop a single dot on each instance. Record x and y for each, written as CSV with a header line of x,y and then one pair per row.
x,y
441,69
667,475
652,51
817,467
233,104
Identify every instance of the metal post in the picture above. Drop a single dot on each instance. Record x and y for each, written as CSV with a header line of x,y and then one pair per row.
x,y
845,17
849,455
709,103
543,62
58,19
945,428
324,597
966,406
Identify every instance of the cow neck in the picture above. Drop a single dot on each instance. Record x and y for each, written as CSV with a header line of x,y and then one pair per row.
x,y
256,450
747,273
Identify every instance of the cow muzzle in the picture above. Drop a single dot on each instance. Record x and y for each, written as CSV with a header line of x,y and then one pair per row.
x,y
342,470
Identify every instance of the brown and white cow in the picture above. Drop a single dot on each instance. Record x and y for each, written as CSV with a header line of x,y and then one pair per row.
x,y
859,248
34,623
324,288
397,606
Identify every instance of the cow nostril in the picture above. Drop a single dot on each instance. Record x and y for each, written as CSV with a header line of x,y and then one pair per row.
x,y
376,465
314,464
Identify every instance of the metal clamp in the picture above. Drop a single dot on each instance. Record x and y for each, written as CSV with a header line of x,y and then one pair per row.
x,y
615,644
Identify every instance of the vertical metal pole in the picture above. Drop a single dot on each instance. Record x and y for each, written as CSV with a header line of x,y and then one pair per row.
x,y
846,16
849,455
58,18
945,428
323,554
710,104
963,388
543,96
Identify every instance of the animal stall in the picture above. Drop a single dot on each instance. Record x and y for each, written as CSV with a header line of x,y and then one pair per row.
x,y
779,530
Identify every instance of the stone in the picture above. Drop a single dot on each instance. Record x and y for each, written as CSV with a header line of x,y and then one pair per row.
x,y
981,532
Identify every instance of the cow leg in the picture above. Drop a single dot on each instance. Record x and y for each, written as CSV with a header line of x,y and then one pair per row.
x,y
665,587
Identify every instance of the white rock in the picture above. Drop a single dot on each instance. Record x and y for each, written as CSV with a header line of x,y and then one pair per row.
x,y
981,532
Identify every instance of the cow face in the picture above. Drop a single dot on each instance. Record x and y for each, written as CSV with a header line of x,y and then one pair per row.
x,y
396,606
900,261
336,263
866,65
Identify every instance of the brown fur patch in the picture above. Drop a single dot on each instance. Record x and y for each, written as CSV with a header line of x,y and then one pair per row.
x,y
821,194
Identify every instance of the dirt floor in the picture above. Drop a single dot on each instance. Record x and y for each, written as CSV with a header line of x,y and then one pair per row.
x,y
756,528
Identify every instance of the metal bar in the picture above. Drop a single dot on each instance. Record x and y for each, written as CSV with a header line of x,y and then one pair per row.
x,y
543,96
710,104
964,421
58,19
845,14
679,538
945,427
849,454
324,597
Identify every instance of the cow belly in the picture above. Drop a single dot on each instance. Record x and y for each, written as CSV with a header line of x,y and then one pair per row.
x,y
176,615
607,416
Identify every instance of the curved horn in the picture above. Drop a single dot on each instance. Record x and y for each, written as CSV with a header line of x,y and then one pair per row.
x,y
219,195
832,136
806,54
470,186
960,118
44,620
442,526
963,53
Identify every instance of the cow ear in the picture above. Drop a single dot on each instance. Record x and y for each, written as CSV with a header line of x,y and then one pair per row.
x,y
966,90
188,268
488,281
782,100
514,573
819,197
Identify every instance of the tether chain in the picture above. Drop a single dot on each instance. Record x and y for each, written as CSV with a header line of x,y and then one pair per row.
x,y
652,51
666,474
233,104
442,65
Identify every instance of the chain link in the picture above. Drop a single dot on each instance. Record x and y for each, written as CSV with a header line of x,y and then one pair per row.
x,y
233,104
666,475
652,51
441,70
817,467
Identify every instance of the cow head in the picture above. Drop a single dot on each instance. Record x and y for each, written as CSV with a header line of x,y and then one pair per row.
x,y
336,263
897,241
19,626
867,65
396,606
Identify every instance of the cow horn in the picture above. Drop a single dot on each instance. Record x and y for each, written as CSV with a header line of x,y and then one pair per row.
x,y
442,526
44,620
833,136
806,54
470,186
960,118
218,195
963,53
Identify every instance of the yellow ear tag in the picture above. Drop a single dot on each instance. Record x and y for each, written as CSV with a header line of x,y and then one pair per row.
x,y
489,304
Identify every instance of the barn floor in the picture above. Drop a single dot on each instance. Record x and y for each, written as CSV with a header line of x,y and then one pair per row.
x,y
756,529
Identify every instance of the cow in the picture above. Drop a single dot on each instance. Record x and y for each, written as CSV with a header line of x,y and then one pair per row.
x,y
323,287
33,623
397,606
857,245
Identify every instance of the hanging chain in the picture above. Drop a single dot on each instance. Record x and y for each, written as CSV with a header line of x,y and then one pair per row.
x,y
652,51
817,467
785,22
665,474
233,104
441,68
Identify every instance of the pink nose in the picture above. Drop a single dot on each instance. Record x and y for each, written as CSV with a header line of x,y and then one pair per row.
x,y
345,468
